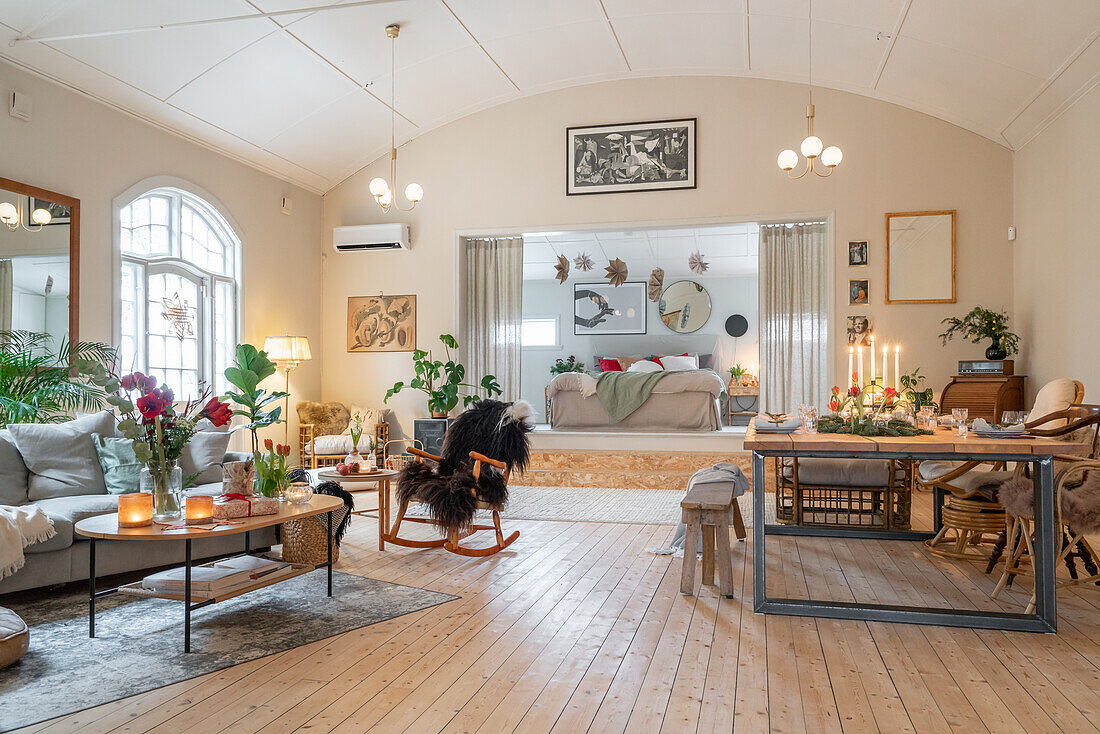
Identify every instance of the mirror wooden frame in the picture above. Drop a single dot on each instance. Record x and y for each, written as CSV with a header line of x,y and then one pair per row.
x,y
938,212
74,243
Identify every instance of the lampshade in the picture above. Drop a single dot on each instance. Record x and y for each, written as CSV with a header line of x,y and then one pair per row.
x,y
378,186
414,192
287,349
787,160
832,156
811,146
41,216
8,212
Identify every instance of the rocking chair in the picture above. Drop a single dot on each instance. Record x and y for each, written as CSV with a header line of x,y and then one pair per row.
x,y
452,542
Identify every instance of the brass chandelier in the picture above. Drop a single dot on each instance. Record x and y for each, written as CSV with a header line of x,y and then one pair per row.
x,y
381,189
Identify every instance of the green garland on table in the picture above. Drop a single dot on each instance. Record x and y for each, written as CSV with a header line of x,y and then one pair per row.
x,y
892,427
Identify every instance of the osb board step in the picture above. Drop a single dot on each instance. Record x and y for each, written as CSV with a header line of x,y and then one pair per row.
x,y
671,461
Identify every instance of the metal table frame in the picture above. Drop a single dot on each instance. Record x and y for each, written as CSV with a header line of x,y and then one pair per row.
x,y
1045,618
188,607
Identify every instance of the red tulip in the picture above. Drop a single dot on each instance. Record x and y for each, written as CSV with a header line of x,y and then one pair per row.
x,y
854,391
836,390
268,444
833,405
890,392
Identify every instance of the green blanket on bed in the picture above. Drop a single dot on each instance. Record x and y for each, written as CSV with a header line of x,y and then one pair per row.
x,y
621,393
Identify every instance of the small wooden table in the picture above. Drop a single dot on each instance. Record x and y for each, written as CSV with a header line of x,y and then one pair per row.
x,y
105,527
735,395
942,446
354,483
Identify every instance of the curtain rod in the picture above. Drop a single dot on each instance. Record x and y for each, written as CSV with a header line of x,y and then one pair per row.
x,y
790,224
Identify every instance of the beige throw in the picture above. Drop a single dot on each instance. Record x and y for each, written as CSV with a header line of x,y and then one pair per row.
x,y
20,527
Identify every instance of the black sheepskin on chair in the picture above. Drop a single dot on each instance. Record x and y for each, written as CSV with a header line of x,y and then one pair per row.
x,y
489,427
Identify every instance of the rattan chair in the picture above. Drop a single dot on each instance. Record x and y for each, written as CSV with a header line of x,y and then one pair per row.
x,y
971,516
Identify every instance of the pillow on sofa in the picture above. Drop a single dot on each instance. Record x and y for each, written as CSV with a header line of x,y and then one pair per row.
x,y
610,365
371,418
60,456
644,365
121,468
328,419
204,455
679,363
13,472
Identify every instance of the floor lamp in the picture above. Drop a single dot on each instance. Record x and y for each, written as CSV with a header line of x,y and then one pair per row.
x,y
287,352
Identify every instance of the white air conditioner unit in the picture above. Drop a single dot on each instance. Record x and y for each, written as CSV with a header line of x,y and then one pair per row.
x,y
371,237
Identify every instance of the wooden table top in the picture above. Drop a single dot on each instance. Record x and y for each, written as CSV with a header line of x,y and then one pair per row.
x,y
944,441
742,390
106,527
331,475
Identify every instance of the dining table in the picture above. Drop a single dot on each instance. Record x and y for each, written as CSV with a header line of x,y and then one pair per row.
x,y
942,445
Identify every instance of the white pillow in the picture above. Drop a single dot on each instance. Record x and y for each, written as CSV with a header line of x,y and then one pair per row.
x,y
371,418
335,444
644,365
675,363
61,457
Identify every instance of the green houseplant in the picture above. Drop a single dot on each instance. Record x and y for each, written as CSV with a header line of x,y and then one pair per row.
x,y
40,383
253,402
981,323
914,391
441,381
561,366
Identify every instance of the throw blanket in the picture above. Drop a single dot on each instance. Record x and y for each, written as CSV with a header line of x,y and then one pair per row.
x,y
624,392
721,473
20,527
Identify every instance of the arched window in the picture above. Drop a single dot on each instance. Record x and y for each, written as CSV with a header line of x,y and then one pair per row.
x,y
179,290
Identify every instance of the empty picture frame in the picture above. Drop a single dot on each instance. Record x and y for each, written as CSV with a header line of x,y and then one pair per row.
x,y
920,257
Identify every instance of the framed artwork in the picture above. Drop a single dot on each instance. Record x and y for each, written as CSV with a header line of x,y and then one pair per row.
x,y
859,331
381,323
857,254
858,292
639,156
601,308
59,212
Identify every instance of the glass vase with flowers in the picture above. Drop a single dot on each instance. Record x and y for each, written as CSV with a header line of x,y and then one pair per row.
x,y
270,468
159,432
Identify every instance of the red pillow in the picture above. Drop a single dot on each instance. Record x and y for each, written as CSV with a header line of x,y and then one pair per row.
x,y
658,359
610,365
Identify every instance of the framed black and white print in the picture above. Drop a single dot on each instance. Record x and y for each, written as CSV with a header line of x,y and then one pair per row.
x,y
857,254
59,213
601,308
639,156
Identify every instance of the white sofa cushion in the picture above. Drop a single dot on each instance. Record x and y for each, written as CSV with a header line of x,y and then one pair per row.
x,y
674,363
60,456
335,444
13,472
1055,396
204,454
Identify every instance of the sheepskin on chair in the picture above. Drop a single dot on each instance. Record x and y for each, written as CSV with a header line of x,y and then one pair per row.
x,y
489,427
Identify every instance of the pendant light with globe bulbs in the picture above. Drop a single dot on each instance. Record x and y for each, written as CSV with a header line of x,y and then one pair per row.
x,y
381,189
12,216
811,146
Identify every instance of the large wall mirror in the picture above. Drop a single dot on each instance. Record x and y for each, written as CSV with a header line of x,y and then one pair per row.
x,y
39,260
684,306
920,257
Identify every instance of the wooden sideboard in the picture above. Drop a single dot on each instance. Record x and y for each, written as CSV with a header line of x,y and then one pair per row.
x,y
984,396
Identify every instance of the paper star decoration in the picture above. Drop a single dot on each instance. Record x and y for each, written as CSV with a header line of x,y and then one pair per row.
x,y
616,272
562,269
583,262
697,264
656,284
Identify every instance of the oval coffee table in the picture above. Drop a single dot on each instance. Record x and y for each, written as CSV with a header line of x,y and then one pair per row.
x,y
105,527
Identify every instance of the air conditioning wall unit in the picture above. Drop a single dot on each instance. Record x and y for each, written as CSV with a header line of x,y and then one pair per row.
x,y
371,237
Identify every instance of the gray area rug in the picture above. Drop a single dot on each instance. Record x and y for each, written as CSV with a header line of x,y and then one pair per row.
x,y
139,642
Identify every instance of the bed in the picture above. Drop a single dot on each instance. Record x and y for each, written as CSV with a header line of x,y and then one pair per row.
x,y
680,401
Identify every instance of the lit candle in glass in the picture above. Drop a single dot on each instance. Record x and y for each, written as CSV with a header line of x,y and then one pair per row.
x,y
135,509
199,510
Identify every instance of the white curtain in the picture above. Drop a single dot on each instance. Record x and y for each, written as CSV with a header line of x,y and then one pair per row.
x,y
494,312
7,286
794,328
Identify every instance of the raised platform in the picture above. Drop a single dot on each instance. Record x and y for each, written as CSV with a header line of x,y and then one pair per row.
x,y
729,438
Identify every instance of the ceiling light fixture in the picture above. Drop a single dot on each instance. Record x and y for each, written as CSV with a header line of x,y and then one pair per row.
x,y
381,189
12,216
812,146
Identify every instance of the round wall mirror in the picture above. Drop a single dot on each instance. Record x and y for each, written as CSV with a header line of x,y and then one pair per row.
x,y
684,306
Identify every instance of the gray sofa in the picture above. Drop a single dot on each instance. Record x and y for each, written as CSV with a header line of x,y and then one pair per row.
x,y
64,557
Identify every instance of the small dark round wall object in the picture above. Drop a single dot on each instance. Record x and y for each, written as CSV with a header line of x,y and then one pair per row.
x,y
737,325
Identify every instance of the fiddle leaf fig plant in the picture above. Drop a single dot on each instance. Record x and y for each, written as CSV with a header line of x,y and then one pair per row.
x,y
441,380
253,402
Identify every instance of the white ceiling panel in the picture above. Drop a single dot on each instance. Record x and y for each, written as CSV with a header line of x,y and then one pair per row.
x,y
705,41
1033,36
624,8
264,89
488,19
939,78
22,14
555,55
777,46
878,15
1076,80
87,16
845,55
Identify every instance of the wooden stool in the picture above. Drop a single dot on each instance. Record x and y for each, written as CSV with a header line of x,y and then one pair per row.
x,y
710,508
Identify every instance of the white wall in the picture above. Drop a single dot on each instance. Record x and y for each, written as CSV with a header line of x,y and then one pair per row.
x,y
504,168
1057,249
83,149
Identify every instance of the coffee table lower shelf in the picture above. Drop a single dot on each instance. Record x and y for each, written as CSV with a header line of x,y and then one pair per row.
x,y
285,574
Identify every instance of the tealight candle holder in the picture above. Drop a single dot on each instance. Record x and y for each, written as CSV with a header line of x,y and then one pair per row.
x,y
199,510
135,510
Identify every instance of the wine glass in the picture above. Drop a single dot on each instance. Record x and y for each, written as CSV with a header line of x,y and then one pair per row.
x,y
959,415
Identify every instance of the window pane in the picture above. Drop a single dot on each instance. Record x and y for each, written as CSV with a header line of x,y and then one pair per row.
x,y
540,332
225,332
131,309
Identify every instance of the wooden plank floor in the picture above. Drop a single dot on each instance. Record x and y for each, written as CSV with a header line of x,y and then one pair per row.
x,y
576,628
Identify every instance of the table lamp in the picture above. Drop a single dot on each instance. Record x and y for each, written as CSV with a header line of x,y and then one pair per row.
x,y
287,352
135,510
199,510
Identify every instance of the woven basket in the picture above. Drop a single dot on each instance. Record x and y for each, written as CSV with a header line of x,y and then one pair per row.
x,y
397,462
304,540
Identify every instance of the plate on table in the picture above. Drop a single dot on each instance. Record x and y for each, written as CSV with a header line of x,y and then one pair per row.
x,y
776,429
999,434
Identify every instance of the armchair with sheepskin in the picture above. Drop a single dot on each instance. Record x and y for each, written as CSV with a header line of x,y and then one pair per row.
x,y
481,449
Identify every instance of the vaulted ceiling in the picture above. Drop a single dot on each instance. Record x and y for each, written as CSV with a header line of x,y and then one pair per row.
x,y
305,95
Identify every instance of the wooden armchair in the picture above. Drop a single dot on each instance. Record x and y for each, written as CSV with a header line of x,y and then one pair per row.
x,y
310,460
452,543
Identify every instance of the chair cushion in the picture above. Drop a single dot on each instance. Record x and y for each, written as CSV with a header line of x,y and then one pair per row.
x,y
1054,396
843,472
66,512
975,479
932,470
14,637
371,417
338,445
204,454
328,419
60,456
121,468
13,472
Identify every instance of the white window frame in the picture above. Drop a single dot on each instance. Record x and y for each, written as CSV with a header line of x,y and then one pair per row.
x,y
557,331
180,190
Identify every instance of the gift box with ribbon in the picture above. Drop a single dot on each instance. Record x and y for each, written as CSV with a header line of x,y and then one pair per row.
x,y
229,506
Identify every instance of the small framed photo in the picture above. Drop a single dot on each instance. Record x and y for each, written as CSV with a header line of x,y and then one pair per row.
x,y
859,292
637,156
857,254
859,331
